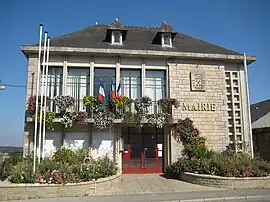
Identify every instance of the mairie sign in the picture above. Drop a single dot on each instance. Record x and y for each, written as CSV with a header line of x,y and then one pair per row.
x,y
198,106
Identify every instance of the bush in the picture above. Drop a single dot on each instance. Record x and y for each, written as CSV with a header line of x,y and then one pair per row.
x,y
197,158
23,171
213,163
9,162
65,166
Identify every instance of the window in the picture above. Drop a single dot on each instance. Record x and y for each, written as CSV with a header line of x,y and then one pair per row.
x,y
155,85
131,83
166,40
107,75
78,85
117,37
54,84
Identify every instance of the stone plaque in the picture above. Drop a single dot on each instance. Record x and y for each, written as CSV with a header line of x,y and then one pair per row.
x,y
197,81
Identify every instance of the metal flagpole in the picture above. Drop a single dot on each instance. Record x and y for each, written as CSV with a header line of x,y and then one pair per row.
x,y
37,95
248,105
45,100
41,97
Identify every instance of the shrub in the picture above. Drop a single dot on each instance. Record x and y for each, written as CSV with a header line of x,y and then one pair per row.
x,y
23,171
65,166
9,162
197,158
185,132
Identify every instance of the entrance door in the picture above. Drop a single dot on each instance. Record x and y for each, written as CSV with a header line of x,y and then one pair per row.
x,y
143,150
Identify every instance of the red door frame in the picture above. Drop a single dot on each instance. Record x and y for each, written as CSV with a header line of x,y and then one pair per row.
x,y
143,168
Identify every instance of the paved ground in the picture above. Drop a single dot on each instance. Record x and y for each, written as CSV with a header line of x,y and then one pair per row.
x,y
147,183
152,187
251,195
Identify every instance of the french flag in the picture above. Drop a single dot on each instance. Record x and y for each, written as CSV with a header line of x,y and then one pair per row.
x,y
112,90
101,91
118,92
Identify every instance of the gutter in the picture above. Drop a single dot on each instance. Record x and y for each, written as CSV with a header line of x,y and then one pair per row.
x,y
27,50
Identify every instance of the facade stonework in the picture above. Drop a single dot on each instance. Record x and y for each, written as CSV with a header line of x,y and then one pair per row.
x,y
212,124
209,82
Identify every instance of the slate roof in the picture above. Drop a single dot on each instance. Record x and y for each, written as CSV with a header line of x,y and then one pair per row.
x,y
136,38
259,110
263,122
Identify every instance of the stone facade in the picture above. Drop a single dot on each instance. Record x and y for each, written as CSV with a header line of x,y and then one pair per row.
x,y
213,123
206,106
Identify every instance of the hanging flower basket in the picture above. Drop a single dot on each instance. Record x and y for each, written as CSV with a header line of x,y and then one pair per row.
x,y
64,102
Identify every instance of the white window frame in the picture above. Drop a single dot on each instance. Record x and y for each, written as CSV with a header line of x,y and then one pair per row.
x,y
162,40
113,37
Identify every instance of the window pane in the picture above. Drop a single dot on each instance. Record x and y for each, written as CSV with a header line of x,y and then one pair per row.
x,y
116,37
78,85
131,83
54,83
155,84
107,75
167,39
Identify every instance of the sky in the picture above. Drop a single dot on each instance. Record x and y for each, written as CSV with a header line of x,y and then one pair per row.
x,y
240,25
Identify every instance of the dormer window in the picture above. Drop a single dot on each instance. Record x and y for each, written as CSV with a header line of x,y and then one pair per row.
x,y
166,40
116,37
116,33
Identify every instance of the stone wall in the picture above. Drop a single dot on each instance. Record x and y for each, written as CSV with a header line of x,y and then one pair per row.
x,y
226,182
213,123
31,191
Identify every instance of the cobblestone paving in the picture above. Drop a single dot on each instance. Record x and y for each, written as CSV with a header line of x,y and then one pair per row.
x,y
147,183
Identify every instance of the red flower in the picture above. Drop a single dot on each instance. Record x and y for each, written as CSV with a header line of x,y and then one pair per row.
x,y
195,132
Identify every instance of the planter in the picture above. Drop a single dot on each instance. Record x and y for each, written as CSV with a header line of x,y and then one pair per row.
x,y
31,191
226,182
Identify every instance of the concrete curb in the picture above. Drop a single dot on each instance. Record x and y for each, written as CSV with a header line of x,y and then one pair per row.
x,y
226,182
246,198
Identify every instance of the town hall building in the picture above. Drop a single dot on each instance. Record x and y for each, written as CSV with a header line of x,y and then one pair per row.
x,y
208,81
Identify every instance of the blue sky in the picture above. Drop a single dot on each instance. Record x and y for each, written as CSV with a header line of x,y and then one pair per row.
x,y
241,25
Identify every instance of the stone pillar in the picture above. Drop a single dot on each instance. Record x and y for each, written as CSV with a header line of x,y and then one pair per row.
x,y
92,64
118,72
65,74
247,137
143,77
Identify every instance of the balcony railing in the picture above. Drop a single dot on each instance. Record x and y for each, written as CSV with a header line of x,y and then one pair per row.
x,y
119,112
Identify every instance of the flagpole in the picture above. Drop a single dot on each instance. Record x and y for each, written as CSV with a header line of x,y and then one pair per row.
x,y
45,101
41,97
37,95
248,105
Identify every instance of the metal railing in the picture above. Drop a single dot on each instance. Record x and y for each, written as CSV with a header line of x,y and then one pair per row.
x,y
118,112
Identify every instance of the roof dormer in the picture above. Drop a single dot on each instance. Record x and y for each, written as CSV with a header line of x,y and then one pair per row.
x,y
165,35
116,32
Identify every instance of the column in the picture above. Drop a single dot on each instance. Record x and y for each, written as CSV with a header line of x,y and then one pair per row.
x,y
143,77
92,64
118,72
65,74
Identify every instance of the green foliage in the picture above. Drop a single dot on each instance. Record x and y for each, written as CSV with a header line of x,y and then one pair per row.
x,y
49,117
23,171
10,161
199,159
184,131
166,105
89,100
65,166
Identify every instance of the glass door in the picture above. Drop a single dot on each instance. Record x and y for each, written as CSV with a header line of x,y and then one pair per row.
x,y
143,150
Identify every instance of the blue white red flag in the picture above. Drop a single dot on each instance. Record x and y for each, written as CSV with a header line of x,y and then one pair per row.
x,y
101,91
112,90
118,92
